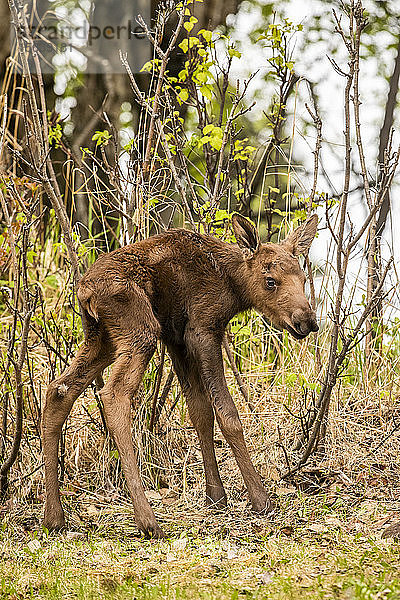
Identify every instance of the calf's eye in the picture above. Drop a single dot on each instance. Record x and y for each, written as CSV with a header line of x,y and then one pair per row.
x,y
271,283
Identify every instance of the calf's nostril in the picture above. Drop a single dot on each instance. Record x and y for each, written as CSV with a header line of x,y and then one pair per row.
x,y
313,324
305,326
298,327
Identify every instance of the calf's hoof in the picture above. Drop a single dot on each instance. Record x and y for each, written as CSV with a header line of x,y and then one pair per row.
x,y
216,499
150,529
154,532
263,506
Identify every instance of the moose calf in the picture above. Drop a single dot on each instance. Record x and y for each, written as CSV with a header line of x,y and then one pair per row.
x,y
182,288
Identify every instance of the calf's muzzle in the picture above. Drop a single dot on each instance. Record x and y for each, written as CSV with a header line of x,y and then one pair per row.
x,y
303,322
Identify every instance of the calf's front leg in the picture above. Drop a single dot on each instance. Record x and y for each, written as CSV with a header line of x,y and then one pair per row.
x,y
202,416
207,348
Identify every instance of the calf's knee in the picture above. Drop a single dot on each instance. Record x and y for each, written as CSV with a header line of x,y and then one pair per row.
x,y
59,400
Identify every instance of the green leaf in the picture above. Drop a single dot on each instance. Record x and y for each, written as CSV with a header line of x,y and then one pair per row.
x,y
183,95
205,91
233,52
148,66
191,23
217,131
184,45
189,43
206,34
101,137
52,281
208,128
201,77
128,146
204,140
216,143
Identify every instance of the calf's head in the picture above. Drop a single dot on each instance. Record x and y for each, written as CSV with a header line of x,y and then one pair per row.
x,y
274,279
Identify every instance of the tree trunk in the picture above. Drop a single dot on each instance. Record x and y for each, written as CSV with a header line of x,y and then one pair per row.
x,y
373,340
385,136
4,54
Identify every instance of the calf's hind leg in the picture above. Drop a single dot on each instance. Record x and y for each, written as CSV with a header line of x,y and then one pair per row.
x,y
90,361
117,396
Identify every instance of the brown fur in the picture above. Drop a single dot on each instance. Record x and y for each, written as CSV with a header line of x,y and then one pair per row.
x,y
183,288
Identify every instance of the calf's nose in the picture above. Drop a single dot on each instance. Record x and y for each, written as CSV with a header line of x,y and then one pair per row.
x,y
304,321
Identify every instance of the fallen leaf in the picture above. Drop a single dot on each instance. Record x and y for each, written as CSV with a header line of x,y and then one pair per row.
x,y
232,553
265,578
284,490
355,525
204,551
334,521
367,507
179,544
170,557
168,500
317,527
379,524
34,545
393,531
216,566
152,495
75,535
92,510
287,530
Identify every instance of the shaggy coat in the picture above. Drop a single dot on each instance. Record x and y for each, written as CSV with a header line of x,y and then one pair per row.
x,y
182,288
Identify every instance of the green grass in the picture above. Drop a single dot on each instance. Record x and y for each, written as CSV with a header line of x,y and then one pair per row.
x,y
313,549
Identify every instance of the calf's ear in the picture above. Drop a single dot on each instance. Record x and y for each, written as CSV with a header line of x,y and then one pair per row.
x,y
246,235
301,239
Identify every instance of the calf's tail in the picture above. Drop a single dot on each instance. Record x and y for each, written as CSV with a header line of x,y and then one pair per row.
x,y
90,318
